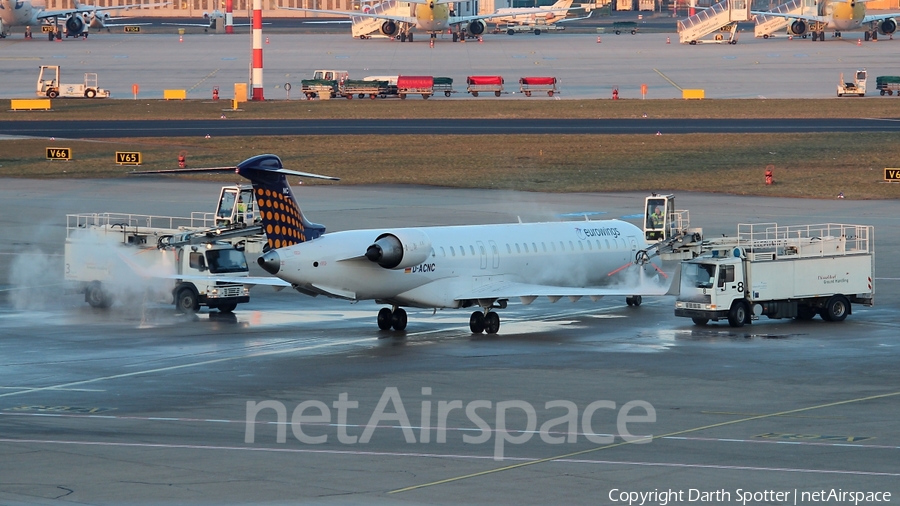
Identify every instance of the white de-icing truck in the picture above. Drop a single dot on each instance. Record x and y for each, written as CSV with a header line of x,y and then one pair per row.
x,y
110,255
779,272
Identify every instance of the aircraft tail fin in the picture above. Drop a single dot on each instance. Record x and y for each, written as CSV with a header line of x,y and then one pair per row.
x,y
283,221
562,4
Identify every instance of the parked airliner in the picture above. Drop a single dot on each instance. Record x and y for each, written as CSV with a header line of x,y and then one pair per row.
x,y
449,267
77,20
840,16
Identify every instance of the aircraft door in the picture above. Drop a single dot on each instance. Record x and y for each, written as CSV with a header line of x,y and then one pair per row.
x,y
496,254
633,242
483,253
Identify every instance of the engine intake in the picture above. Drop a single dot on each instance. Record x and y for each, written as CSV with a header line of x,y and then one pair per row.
x,y
476,27
888,26
799,27
389,28
74,25
400,250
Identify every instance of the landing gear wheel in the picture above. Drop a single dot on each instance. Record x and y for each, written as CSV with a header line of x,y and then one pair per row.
x,y
806,312
227,308
700,321
634,300
186,301
476,322
96,296
821,36
385,318
409,37
815,36
836,309
492,323
398,319
402,37
866,36
456,37
738,314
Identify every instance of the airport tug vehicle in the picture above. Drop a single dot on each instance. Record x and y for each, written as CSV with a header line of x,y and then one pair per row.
x,y
48,85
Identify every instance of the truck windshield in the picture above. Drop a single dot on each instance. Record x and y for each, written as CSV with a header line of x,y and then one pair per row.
x,y
226,260
699,275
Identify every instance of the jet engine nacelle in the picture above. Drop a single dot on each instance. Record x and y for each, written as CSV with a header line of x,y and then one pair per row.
x,y
476,27
400,250
389,28
74,25
888,26
799,27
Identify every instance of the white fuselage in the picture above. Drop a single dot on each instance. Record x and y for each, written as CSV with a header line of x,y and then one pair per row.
x,y
19,13
463,258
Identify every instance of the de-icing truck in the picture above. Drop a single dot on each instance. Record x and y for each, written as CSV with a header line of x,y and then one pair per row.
x,y
172,259
779,272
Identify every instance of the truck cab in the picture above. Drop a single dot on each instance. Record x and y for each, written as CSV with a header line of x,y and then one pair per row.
x,y
213,259
709,288
331,75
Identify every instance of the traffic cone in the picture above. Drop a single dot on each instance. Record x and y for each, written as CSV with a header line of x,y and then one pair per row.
x,y
858,42
668,41
181,38
790,37
431,43
267,40
598,39
480,39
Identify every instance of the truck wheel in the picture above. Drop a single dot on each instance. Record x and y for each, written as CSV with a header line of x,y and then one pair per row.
x,y
52,93
806,312
700,321
403,96
836,309
90,93
186,301
446,93
738,314
425,96
496,93
97,297
527,93
226,308
537,31
508,32
550,93
474,93
618,32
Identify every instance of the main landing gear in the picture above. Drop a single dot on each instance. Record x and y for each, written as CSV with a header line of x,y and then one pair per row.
x,y
484,321
392,318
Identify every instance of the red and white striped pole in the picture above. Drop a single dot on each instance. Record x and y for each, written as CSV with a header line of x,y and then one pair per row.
x,y
256,76
229,16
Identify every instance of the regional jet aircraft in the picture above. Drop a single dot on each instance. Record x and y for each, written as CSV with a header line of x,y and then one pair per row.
x,y
430,16
77,20
480,266
839,15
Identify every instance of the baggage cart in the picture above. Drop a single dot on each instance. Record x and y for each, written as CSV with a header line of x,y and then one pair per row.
x,y
527,85
415,85
443,84
477,84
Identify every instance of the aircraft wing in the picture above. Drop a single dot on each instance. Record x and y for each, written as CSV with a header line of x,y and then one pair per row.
x,y
526,291
400,19
566,20
454,20
804,17
880,17
238,280
81,9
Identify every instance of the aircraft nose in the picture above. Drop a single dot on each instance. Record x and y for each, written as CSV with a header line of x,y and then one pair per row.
x,y
270,262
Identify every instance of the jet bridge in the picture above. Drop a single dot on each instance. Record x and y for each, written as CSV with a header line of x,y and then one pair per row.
x,y
721,19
